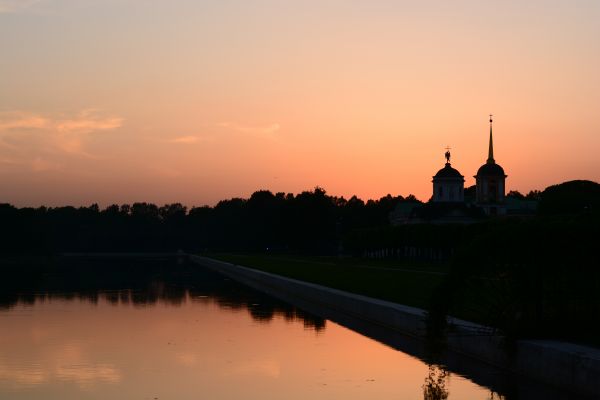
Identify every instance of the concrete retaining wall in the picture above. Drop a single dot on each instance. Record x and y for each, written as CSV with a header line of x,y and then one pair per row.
x,y
572,367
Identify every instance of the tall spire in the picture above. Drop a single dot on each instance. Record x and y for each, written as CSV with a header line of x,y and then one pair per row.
x,y
490,159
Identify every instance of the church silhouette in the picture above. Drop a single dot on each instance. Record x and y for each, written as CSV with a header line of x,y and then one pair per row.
x,y
450,204
448,184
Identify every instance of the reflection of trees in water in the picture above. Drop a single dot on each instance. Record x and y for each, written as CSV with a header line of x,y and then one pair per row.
x,y
434,387
149,284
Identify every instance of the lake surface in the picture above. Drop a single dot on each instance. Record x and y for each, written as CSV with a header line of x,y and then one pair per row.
x,y
150,332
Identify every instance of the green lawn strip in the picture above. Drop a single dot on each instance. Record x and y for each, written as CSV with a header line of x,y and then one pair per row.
x,y
385,263
476,302
412,288
434,267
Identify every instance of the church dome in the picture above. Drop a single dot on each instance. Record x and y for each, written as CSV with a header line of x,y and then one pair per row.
x,y
448,172
490,169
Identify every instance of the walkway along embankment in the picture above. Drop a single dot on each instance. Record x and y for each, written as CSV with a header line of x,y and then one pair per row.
x,y
572,367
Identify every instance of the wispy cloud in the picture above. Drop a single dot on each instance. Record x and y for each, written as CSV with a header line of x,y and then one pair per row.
x,y
87,121
31,134
260,130
165,172
185,139
14,6
72,132
19,120
39,164
189,139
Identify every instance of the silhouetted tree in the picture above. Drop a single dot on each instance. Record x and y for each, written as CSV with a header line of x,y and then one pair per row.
x,y
573,197
515,194
533,195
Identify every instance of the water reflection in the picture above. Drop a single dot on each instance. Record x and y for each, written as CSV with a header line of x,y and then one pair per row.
x,y
146,284
434,387
68,363
437,382
81,330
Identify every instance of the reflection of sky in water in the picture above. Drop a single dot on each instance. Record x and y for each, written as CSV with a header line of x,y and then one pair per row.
x,y
83,374
40,355
61,349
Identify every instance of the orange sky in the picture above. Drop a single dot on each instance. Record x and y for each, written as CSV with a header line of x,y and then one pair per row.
x,y
119,101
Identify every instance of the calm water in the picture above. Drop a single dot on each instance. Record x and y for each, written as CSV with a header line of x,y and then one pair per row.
x,y
189,334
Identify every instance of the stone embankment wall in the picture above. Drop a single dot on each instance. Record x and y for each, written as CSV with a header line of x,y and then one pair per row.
x,y
572,367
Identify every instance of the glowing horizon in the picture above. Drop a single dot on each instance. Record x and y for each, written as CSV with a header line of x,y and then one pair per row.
x,y
119,101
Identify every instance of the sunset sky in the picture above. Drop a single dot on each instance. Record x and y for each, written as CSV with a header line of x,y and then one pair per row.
x,y
117,101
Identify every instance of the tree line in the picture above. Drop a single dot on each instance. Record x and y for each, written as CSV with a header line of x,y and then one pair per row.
x,y
311,221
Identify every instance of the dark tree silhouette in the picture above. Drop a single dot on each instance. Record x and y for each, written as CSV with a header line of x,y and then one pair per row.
x,y
573,197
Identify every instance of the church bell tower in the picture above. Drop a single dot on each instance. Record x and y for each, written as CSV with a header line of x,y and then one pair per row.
x,y
489,181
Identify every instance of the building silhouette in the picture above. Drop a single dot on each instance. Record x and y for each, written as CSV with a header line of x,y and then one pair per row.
x,y
448,184
490,184
448,203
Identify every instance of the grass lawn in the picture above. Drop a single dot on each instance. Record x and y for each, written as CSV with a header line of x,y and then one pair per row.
x,y
410,284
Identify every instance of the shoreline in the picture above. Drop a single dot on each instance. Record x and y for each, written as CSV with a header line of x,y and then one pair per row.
x,y
563,365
